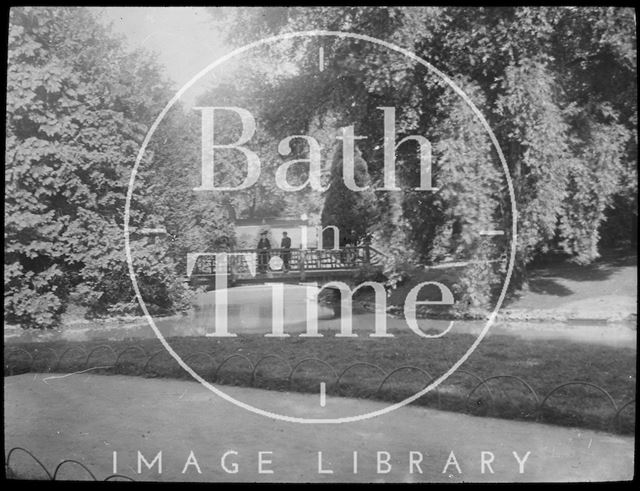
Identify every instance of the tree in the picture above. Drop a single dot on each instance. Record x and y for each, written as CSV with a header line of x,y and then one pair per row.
x,y
352,212
78,106
557,86
195,221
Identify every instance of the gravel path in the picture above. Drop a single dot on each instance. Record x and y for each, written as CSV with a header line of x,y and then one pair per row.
x,y
88,417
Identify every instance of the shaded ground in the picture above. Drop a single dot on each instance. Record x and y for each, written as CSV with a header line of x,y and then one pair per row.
x,y
606,289
88,417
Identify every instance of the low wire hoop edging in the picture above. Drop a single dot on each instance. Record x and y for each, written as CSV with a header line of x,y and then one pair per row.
x,y
577,382
69,350
358,364
113,477
30,454
20,350
43,350
406,367
616,417
267,357
317,360
510,377
97,348
210,357
72,461
52,477
614,421
470,374
229,358
127,349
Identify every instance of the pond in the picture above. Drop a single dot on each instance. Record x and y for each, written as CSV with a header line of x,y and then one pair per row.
x,y
250,311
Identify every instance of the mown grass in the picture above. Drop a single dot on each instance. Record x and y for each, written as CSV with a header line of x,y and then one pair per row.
x,y
543,365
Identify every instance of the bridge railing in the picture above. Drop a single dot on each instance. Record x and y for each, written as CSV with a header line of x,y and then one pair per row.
x,y
346,258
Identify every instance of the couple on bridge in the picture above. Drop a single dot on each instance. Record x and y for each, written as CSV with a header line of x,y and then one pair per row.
x,y
264,252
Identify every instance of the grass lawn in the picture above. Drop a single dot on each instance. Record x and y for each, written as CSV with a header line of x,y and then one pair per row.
x,y
271,363
605,289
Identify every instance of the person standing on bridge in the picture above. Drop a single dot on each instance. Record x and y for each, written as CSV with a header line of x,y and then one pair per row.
x,y
264,246
285,255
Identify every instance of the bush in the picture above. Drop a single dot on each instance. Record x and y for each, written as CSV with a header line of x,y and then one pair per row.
x,y
77,108
33,299
369,272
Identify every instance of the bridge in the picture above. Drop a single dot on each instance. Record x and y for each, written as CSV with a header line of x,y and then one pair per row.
x,y
305,265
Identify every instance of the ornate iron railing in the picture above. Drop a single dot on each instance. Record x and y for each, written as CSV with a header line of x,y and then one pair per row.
x,y
253,261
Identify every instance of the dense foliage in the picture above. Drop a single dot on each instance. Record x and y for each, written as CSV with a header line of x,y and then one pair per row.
x,y
557,86
78,107
353,213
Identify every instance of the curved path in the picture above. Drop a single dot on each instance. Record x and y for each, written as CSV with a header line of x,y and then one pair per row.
x,y
88,417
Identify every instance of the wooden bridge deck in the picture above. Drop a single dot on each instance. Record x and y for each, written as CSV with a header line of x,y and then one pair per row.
x,y
250,266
